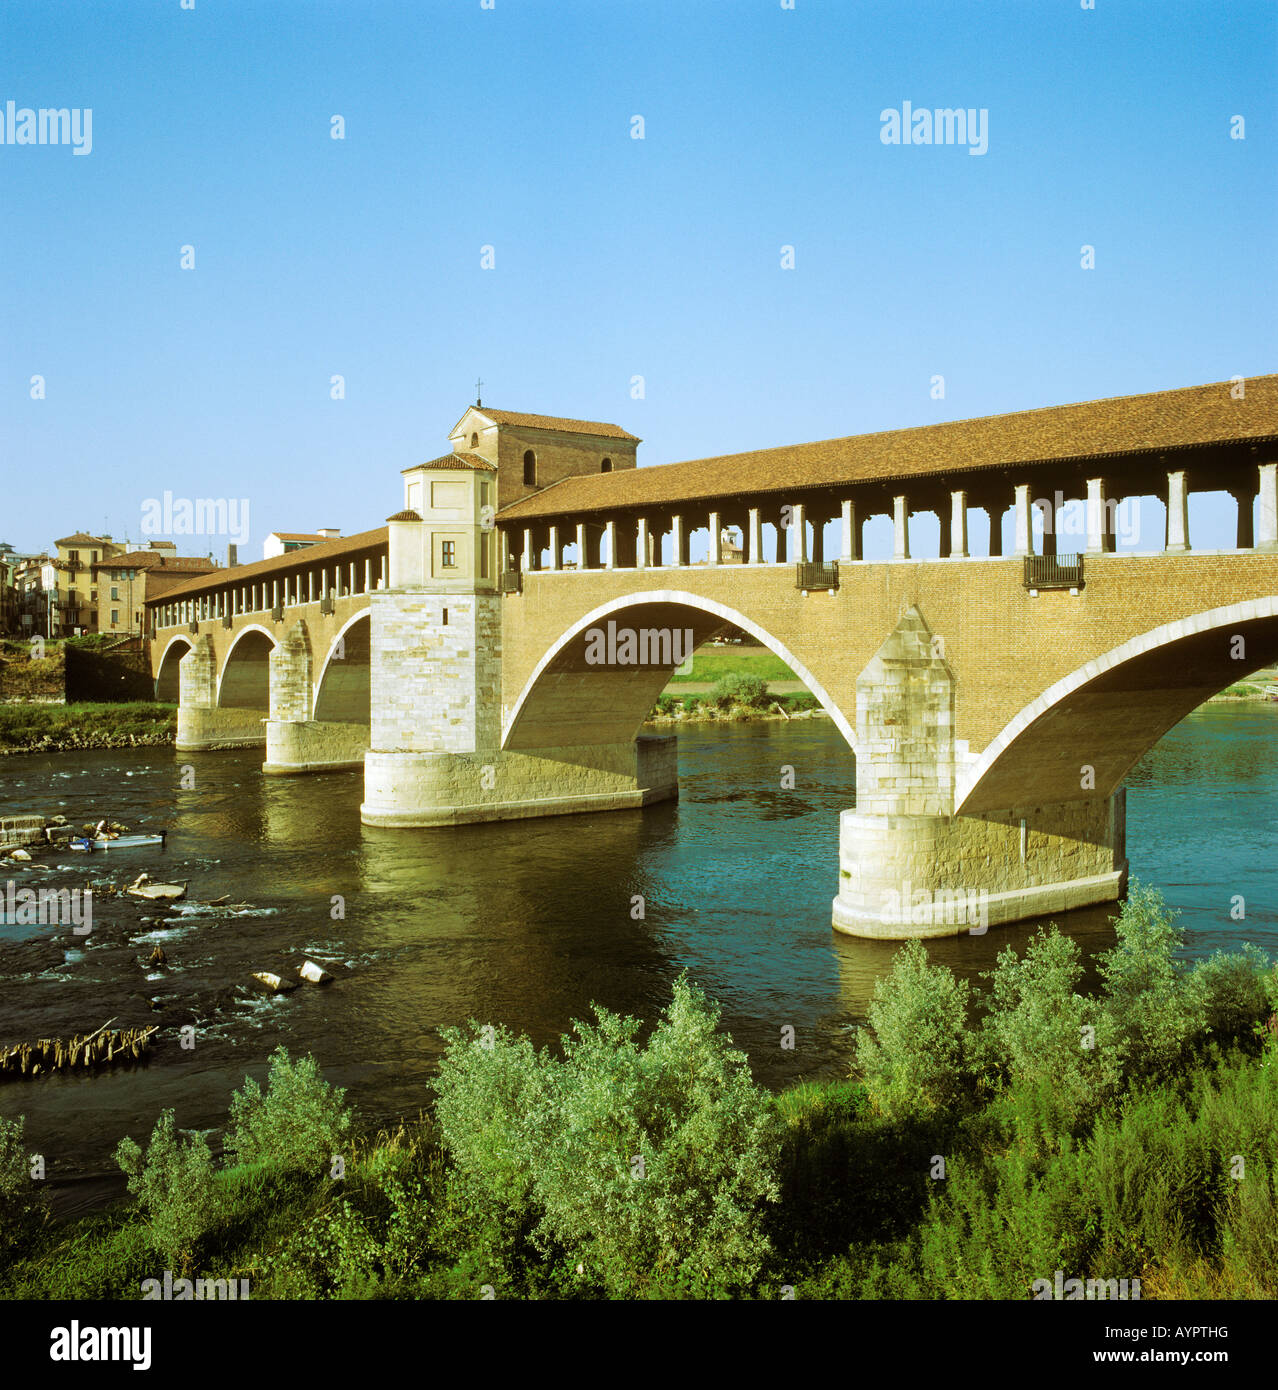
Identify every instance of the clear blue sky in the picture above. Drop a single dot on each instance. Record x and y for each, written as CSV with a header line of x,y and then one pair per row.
x,y
615,257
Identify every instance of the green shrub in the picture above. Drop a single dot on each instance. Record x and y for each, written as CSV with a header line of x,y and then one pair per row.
x,y
1150,1016
300,1123
648,1168
1230,988
175,1187
740,688
21,1212
492,1099
1041,1035
334,1254
919,1055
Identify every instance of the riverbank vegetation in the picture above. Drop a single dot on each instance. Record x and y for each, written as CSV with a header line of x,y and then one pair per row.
x,y
58,728
984,1143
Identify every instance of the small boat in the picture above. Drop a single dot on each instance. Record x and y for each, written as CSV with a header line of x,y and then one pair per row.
x,y
88,843
157,891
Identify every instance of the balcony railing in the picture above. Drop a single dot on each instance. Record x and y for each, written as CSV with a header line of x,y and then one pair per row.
x,y
512,582
809,576
1053,571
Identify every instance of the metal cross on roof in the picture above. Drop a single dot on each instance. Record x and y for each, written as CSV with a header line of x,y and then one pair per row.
x,y
479,386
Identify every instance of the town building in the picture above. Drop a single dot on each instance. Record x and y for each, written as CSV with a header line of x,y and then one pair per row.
x,y
124,582
284,542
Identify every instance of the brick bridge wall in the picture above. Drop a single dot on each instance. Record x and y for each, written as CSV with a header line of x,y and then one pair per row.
x,y
1004,647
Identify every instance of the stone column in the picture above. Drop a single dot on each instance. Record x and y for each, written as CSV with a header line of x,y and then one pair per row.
x,y
1177,512
554,547
1267,534
818,541
641,545
995,515
851,548
505,551
1049,526
798,535
1244,498
1100,534
1024,532
754,538
610,530
715,554
676,539
958,525
901,528
581,546
528,564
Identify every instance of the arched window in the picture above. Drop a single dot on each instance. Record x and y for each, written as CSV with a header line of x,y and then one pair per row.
x,y
530,469
606,466
474,441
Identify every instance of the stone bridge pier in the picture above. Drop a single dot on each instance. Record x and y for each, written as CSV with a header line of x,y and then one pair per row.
x,y
908,865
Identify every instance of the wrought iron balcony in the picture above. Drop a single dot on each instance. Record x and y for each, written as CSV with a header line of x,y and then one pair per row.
x,y
1053,571
810,576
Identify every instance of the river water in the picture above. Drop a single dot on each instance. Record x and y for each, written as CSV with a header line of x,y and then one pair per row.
x,y
522,923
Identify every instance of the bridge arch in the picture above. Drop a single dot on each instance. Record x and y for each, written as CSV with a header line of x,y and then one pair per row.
x,y
1110,711
168,687
566,700
343,687
244,681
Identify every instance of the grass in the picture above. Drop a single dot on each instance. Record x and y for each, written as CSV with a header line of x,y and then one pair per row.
x,y
48,728
709,664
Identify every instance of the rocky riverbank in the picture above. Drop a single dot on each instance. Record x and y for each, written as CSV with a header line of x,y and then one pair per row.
x,y
45,728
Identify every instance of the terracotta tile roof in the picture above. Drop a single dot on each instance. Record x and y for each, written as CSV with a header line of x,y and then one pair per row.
x,y
279,564
408,514
299,536
155,560
459,460
81,539
555,422
1160,420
